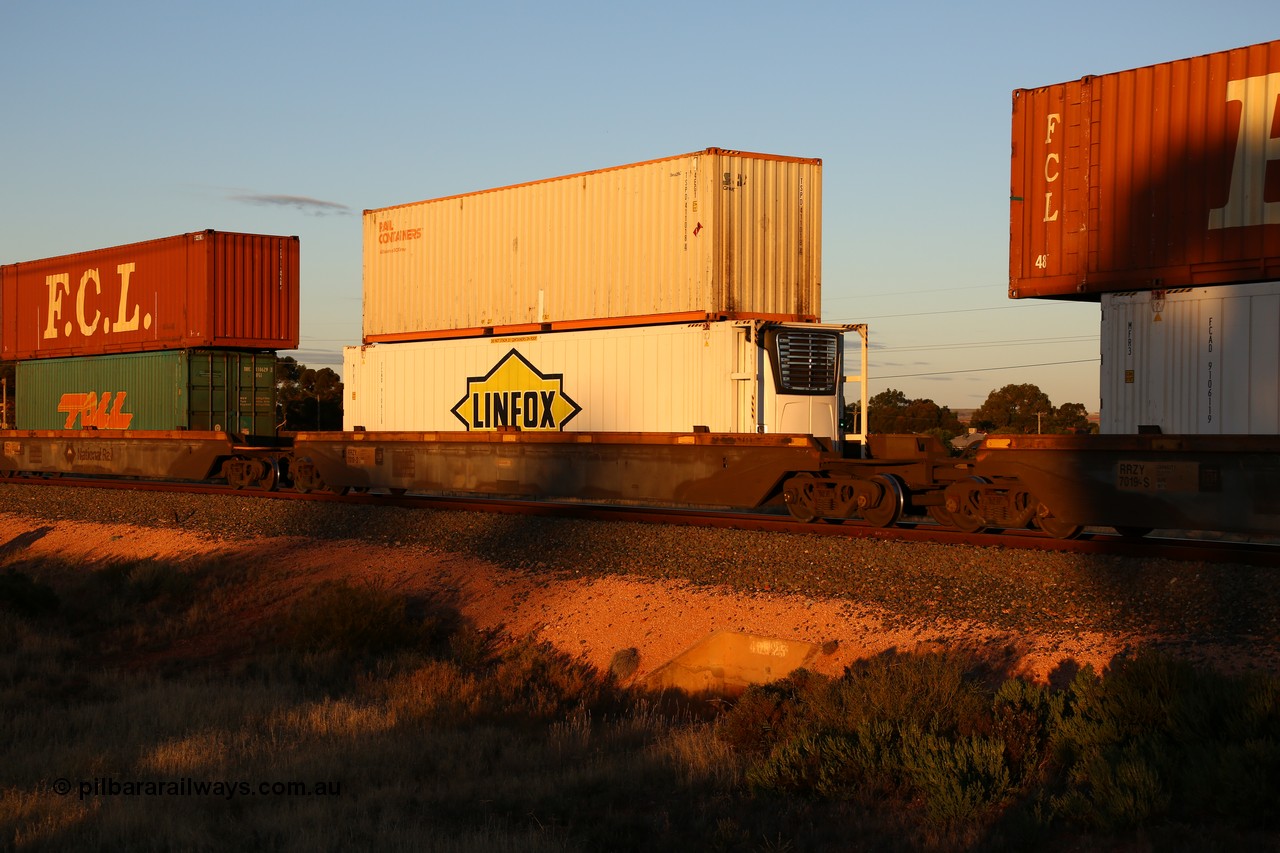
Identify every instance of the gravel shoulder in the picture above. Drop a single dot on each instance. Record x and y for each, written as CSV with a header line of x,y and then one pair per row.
x,y
595,588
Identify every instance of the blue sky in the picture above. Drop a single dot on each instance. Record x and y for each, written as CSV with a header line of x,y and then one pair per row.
x,y
135,120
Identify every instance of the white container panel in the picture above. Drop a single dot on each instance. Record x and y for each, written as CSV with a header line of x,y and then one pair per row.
x,y
640,379
1197,361
710,234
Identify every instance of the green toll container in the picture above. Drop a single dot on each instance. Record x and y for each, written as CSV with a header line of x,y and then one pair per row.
x,y
228,390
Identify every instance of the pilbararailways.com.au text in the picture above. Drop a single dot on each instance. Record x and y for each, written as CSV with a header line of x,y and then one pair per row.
x,y
107,786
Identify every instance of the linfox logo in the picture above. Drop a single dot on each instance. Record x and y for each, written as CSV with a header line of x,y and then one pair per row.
x,y
95,412
516,394
88,318
1257,150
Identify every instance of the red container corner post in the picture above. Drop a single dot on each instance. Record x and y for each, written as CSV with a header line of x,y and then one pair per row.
x,y
1155,178
202,289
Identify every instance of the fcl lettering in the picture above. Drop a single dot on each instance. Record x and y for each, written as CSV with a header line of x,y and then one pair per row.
x,y
86,315
95,413
1051,168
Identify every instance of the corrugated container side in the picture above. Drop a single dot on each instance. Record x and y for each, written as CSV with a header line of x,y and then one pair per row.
x,y
641,379
703,235
160,390
202,289
1202,361
1160,177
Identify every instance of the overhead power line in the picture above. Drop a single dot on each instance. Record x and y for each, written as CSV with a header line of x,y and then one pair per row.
x,y
929,313
984,369
982,344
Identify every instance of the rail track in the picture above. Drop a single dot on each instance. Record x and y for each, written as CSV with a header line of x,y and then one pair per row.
x,y
1174,546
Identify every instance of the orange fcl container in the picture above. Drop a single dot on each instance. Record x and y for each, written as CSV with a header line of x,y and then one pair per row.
x,y
1154,178
202,289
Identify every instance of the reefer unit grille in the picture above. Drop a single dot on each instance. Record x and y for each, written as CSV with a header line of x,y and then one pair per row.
x,y
808,362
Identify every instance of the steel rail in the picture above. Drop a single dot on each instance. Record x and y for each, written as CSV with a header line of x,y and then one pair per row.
x,y
1178,548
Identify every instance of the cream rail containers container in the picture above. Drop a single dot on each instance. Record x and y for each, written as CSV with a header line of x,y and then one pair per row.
x,y
202,289
710,235
1194,361
726,376
1160,177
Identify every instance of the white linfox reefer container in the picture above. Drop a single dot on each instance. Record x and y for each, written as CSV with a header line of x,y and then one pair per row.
x,y
727,376
714,234
1202,361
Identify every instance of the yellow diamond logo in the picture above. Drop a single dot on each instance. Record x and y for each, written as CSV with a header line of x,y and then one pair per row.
x,y
516,394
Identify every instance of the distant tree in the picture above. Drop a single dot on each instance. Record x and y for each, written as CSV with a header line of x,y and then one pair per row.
x,y
307,399
1013,409
1071,417
1027,409
884,410
891,412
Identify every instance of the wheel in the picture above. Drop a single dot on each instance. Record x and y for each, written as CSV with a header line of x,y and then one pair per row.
x,y
1054,526
1133,532
798,495
237,476
270,476
887,511
305,476
941,516
965,515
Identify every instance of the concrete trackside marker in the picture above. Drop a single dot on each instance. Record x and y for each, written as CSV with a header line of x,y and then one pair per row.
x,y
727,662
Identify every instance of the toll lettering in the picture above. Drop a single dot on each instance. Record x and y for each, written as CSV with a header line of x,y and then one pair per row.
x,y
95,413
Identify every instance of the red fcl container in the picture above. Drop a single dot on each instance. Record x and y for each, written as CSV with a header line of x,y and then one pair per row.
x,y
1155,178
203,289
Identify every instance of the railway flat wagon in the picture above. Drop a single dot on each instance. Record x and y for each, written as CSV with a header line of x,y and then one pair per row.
x,y
201,289
200,390
715,234
718,377
1134,483
1154,178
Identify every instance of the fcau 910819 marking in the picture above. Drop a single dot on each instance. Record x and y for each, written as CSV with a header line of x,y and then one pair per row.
x,y
516,394
95,412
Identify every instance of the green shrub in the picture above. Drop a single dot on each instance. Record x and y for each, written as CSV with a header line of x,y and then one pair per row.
x,y
535,680
1023,716
1160,739
961,777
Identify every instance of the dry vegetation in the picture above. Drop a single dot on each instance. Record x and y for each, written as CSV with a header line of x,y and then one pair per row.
x,y
409,728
